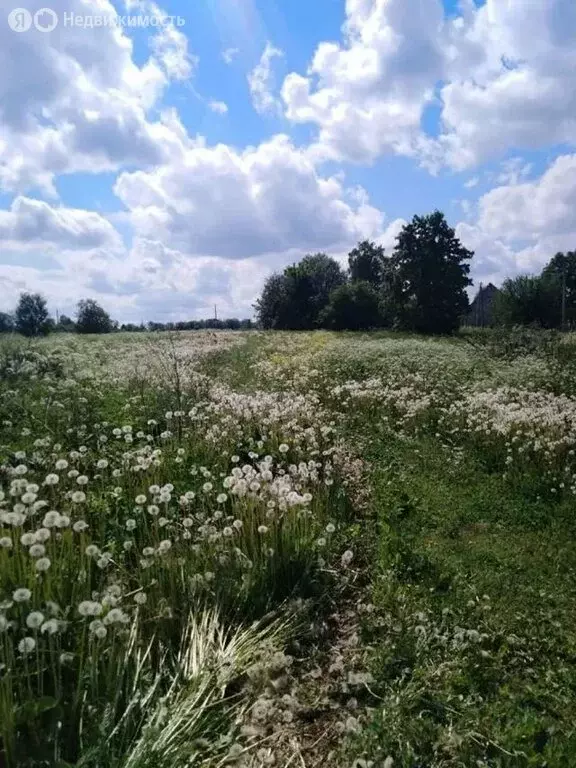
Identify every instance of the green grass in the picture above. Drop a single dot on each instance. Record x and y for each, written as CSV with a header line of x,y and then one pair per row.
x,y
463,539
474,631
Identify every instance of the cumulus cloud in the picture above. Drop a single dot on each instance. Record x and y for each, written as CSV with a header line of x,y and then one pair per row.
x,y
500,75
520,226
30,223
261,82
367,94
220,202
527,210
511,82
79,102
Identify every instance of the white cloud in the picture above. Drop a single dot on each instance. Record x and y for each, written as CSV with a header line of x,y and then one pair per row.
x,y
367,94
261,82
170,48
520,226
220,107
79,102
500,73
216,201
521,211
511,80
31,223
230,54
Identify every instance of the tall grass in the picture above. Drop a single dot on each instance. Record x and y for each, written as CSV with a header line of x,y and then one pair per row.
x,y
135,544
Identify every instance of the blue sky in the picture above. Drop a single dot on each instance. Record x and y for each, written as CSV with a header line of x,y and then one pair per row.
x,y
161,170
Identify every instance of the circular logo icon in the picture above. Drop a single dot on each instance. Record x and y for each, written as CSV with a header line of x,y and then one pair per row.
x,y
20,20
45,20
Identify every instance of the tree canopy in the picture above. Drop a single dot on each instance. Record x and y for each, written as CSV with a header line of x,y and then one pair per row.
x,y
6,322
420,287
31,316
295,299
428,276
354,306
367,263
92,318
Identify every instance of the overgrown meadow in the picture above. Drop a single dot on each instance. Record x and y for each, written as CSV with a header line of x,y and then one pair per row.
x,y
288,549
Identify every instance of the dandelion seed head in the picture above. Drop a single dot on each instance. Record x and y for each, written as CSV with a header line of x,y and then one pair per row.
x,y
51,519
347,558
34,620
26,645
89,608
21,595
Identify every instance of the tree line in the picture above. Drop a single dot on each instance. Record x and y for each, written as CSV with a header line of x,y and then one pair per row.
x,y
547,300
32,318
420,287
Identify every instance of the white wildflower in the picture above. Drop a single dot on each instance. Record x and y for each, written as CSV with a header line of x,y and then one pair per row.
x,y
347,558
50,627
26,645
21,595
37,550
34,620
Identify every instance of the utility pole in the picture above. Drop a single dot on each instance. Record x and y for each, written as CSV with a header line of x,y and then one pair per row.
x,y
215,312
481,298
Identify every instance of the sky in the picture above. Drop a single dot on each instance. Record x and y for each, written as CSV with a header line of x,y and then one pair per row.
x,y
171,165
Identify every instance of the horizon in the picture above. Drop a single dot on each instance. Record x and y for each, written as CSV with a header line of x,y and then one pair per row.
x,y
172,157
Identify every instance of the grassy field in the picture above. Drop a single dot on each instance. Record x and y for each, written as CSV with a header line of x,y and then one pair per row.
x,y
228,549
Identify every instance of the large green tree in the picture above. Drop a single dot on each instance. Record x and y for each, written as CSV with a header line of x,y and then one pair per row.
x,y
353,306
295,299
31,316
92,318
367,262
560,276
428,276
273,306
529,300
